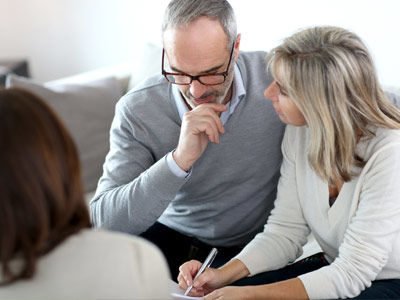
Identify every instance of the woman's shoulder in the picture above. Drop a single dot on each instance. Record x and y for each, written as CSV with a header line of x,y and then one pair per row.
x,y
104,238
384,140
384,137
119,253
387,135
96,264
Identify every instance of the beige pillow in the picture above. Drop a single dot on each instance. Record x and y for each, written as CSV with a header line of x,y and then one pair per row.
x,y
87,110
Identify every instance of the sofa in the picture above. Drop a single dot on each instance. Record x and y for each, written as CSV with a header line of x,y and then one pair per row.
x,y
86,102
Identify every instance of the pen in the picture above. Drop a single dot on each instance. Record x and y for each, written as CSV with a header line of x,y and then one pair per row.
x,y
205,265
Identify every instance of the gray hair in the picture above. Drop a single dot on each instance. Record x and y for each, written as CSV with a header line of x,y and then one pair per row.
x,y
183,12
330,76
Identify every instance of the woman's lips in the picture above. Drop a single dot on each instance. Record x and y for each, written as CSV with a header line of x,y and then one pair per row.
x,y
277,110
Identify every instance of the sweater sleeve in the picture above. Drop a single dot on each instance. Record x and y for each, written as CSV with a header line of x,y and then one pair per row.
x,y
286,230
370,234
134,189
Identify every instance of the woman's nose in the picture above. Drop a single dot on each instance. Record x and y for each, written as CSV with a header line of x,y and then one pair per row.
x,y
272,92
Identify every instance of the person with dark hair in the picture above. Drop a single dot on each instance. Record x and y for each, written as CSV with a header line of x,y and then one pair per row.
x,y
181,168
47,249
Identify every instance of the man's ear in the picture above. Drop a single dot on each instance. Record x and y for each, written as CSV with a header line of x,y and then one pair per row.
x,y
237,46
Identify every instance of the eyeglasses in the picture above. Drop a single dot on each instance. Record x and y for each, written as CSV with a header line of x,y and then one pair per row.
x,y
206,79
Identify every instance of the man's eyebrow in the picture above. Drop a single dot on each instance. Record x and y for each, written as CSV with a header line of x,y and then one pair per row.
x,y
211,70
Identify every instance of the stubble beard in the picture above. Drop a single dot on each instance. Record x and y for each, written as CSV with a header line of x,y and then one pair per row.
x,y
218,100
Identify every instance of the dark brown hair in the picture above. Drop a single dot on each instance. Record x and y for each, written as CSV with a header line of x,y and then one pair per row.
x,y
41,192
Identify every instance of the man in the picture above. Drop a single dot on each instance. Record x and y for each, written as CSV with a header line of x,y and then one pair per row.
x,y
194,159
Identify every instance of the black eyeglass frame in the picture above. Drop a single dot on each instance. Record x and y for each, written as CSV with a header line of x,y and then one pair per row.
x,y
197,77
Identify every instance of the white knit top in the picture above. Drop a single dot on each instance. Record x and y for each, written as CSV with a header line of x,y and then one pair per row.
x,y
93,265
360,233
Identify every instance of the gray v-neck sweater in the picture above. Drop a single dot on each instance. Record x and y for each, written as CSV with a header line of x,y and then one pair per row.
x,y
228,196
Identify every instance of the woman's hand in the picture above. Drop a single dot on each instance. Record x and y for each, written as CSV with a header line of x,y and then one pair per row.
x,y
207,282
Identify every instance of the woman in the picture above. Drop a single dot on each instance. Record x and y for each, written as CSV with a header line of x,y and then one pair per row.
x,y
47,250
339,180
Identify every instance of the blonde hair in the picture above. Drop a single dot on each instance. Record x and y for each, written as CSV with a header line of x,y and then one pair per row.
x,y
330,76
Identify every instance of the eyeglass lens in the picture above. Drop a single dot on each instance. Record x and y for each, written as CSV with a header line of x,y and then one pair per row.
x,y
206,79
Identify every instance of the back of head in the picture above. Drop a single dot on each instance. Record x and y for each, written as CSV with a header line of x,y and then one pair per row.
x,y
183,12
40,185
329,74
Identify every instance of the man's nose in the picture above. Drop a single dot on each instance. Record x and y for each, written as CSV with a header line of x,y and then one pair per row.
x,y
197,89
272,92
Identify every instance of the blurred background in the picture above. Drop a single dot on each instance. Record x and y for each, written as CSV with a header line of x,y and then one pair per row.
x,y
59,38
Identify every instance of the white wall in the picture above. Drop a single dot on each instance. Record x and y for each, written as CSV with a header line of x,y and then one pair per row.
x,y
377,22
65,37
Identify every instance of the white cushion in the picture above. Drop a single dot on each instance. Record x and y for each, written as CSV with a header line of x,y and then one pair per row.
x,y
87,111
147,64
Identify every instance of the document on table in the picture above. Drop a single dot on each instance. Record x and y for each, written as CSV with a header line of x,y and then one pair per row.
x,y
178,294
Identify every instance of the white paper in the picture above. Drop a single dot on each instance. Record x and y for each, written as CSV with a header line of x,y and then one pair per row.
x,y
178,294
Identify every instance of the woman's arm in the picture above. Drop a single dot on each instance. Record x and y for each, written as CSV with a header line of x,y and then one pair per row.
x,y
235,270
288,289
372,231
281,241
232,271
286,230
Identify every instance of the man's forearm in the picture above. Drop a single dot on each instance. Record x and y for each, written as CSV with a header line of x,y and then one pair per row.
x,y
135,206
